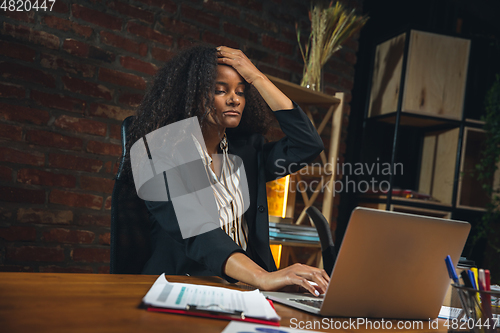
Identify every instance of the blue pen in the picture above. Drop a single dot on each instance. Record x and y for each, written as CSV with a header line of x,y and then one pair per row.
x,y
453,275
472,279
451,269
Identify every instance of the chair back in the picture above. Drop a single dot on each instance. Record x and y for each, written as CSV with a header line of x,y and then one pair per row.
x,y
130,225
328,250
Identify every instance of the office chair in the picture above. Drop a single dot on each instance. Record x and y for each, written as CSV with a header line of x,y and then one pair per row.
x,y
328,250
130,225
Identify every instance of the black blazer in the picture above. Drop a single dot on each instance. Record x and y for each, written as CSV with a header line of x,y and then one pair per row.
x,y
206,254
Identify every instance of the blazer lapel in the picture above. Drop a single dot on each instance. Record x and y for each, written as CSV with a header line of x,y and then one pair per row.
x,y
258,247
249,158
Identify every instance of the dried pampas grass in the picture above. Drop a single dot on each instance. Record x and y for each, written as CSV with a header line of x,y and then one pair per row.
x,y
330,28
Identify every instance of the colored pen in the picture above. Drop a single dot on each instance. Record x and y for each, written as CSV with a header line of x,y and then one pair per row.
x,y
484,283
472,278
476,275
487,279
451,269
480,280
465,277
473,273
453,275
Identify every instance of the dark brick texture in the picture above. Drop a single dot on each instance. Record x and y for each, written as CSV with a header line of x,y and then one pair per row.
x,y
67,80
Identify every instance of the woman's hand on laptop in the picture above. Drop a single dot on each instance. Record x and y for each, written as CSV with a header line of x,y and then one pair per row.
x,y
312,279
242,268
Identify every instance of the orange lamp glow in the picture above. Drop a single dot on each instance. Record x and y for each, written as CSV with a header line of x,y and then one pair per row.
x,y
276,251
277,196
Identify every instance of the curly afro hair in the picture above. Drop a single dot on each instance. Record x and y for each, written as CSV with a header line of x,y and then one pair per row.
x,y
184,88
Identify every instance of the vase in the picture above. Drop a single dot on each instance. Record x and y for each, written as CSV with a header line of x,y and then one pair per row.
x,y
312,76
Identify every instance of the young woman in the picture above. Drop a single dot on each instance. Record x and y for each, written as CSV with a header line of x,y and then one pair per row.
x,y
231,99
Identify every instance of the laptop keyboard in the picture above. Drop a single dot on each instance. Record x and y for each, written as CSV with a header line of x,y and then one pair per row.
x,y
311,302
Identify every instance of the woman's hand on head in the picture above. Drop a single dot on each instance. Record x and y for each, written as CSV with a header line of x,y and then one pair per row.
x,y
296,275
239,61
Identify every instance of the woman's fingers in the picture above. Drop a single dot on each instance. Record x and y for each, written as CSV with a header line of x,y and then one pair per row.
x,y
304,283
320,280
225,53
311,274
317,278
239,61
228,50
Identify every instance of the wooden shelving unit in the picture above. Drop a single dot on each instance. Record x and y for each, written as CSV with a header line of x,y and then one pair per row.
x,y
418,85
307,98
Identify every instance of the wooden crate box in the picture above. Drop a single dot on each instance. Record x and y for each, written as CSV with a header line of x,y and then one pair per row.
x,y
434,80
470,193
437,169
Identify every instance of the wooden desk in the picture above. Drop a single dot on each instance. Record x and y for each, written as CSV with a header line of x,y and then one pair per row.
x,y
55,302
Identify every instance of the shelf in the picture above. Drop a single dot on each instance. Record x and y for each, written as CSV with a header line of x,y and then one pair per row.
x,y
410,210
403,201
302,95
474,123
279,219
294,243
415,119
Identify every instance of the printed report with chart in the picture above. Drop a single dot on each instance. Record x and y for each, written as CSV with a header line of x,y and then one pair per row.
x,y
200,299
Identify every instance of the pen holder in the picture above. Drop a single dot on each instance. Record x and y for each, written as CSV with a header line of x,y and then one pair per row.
x,y
480,311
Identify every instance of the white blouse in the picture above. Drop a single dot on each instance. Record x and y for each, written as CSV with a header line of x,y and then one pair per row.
x,y
227,194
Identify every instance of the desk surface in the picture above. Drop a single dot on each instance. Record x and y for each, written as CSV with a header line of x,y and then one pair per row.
x,y
56,302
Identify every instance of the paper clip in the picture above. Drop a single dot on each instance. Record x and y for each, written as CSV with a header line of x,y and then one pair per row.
x,y
219,311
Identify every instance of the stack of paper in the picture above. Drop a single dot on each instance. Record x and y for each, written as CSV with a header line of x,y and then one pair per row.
x,y
200,299
447,312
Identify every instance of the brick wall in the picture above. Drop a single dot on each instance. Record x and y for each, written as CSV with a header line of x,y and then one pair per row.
x,y
69,76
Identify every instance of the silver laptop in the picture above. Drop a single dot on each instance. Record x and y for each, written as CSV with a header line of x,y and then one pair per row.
x,y
390,265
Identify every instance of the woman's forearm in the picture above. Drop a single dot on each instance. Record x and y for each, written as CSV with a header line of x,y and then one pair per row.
x,y
240,267
274,97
